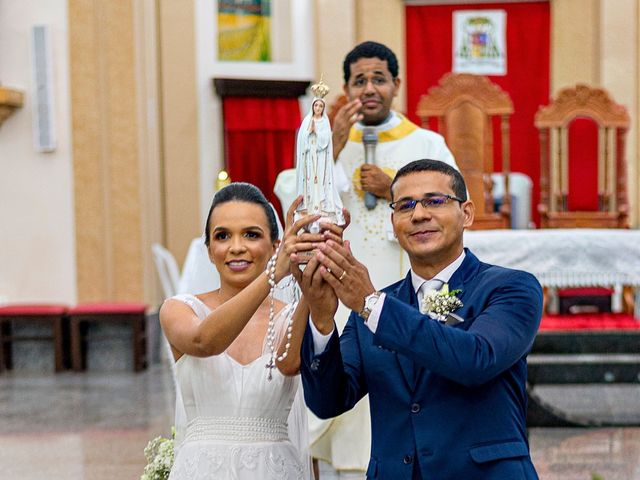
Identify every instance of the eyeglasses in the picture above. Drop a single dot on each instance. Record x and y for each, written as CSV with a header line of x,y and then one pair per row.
x,y
431,202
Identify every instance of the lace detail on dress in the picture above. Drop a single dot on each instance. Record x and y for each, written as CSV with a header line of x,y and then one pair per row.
x,y
237,462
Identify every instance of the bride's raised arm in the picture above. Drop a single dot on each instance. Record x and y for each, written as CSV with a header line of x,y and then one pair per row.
x,y
188,334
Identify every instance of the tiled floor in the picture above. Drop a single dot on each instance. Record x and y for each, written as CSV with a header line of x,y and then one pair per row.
x,y
95,425
81,426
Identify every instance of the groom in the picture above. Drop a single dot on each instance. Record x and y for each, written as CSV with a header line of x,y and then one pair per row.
x,y
448,399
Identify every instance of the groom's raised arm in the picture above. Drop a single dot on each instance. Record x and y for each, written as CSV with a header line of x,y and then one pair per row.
x,y
505,320
506,314
332,378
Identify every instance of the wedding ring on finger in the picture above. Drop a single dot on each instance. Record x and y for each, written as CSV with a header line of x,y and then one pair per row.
x,y
328,270
344,274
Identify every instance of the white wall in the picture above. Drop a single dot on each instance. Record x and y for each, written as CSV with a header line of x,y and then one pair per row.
x,y
301,67
37,249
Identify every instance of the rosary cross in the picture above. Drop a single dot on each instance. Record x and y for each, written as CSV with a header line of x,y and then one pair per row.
x,y
271,365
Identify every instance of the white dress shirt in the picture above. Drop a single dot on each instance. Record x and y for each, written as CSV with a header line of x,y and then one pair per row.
x,y
320,341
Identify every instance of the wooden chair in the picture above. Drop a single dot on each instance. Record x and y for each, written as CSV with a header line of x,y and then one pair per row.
x,y
465,106
582,166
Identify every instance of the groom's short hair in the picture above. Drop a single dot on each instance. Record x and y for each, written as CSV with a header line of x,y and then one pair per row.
x,y
458,184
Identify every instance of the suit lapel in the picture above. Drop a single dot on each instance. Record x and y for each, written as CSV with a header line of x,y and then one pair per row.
x,y
406,294
466,272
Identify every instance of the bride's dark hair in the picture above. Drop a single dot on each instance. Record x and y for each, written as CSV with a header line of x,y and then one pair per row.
x,y
243,192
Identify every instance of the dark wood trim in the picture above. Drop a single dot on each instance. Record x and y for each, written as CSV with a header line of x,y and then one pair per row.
x,y
237,87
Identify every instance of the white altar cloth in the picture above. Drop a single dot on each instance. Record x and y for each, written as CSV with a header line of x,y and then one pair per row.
x,y
563,257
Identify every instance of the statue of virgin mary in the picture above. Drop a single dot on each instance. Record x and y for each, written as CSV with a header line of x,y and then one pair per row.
x,y
314,164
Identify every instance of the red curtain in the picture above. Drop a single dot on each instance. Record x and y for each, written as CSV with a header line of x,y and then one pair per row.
x,y
259,139
429,57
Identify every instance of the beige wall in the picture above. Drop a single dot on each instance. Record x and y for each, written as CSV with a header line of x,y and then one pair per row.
x,y
37,253
135,141
342,24
179,109
336,35
619,75
105,151
147,76
383,21
575,45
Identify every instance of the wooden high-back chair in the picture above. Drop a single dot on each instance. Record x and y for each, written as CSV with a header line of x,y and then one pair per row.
x,y
582,166
465,106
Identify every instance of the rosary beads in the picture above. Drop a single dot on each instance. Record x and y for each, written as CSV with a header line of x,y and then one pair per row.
x,y
271,327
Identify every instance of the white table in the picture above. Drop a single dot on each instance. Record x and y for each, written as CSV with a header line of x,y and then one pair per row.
x,y
563,257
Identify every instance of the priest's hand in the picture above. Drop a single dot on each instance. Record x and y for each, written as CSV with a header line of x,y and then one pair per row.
x,y
346,117
348,277
374,180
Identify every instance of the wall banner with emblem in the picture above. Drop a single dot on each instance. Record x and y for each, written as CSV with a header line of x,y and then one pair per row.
x,y
479,42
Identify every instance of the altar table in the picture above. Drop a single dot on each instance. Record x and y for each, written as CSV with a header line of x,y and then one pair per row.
x,y
576,257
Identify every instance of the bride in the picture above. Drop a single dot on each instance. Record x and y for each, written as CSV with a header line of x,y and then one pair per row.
x,y
237,350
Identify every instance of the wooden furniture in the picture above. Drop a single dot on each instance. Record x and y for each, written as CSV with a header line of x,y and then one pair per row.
x,y
52,315
582,166
83,314
465,106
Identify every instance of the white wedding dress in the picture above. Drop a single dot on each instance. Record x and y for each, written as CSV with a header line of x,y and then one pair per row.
x,y
232,422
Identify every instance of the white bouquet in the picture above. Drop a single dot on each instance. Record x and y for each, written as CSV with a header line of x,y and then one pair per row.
x,y
159,453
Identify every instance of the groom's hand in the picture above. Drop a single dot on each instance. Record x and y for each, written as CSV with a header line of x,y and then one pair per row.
x,y
348,277
319,295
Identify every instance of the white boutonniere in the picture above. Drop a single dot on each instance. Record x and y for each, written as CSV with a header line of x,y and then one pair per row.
x,y
439,304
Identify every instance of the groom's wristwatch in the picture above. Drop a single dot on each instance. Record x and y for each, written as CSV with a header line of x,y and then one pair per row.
x,y
369,302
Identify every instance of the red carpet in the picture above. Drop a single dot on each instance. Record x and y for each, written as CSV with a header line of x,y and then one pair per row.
x,y
598,321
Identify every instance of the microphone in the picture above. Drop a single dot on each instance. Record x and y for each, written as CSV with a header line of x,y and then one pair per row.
x,y
370,140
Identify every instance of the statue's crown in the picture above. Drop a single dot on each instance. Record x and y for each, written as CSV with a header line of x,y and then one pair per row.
x,y
320,89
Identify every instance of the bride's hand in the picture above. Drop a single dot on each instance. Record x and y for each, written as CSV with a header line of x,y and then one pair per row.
x,y
293,241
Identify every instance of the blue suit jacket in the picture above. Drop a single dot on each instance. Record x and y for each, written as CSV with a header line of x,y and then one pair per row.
x,y
447,401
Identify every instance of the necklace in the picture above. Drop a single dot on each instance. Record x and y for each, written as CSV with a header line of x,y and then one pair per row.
x,y
271,327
